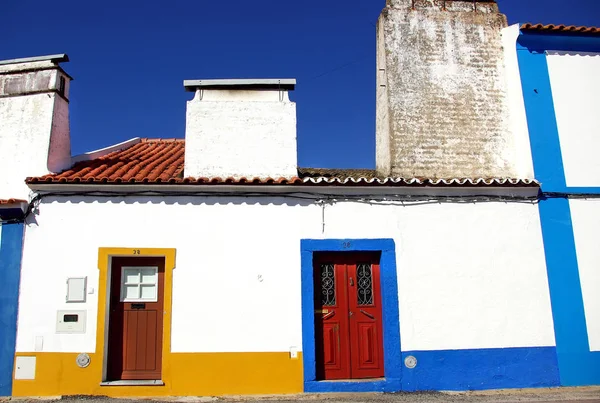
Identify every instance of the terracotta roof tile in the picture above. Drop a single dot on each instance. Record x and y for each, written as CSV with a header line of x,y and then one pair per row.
x,y
155,161
11,201
146,161
561,29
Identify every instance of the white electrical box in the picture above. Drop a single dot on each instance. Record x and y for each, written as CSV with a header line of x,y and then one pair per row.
x,y
70,322
76,289
25,368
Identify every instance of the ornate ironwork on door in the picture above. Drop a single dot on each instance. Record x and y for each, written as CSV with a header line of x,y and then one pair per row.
x,y
364,282
327,285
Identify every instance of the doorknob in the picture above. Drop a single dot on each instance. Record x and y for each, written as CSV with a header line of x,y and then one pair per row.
x,y
351,313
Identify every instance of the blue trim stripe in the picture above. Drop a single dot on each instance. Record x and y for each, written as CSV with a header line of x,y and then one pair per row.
x,y
391,318
543,129
577,365
10,269
495,368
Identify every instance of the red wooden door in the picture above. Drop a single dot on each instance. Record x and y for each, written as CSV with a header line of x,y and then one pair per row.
x,y
366,336
136,318
331,326
348,323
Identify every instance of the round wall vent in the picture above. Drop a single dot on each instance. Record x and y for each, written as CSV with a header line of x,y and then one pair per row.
x,y
83,360
410,361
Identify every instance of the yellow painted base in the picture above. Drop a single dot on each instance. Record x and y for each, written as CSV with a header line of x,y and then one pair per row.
x,y
187,374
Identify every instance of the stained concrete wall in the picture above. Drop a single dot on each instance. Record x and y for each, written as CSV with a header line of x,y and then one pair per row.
x,y
442,107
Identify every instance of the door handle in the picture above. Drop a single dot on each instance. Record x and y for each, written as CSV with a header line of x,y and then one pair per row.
x,y
350,313
367,314
328,315
351,282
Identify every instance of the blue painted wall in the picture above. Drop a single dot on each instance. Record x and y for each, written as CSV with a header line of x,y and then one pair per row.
x,y
436,370
479,369
391,320
577,365
11,243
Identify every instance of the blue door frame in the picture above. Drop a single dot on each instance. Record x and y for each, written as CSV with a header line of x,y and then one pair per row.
x,y
391,317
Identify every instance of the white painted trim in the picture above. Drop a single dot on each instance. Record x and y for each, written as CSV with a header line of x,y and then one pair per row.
x,y
104,151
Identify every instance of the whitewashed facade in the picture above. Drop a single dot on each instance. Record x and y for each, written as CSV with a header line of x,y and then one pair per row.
x,y
481,279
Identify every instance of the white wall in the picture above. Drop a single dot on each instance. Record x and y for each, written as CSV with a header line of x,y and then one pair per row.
x,y
469,275
586,229
516,103
23,122
34,140
575,82
236,133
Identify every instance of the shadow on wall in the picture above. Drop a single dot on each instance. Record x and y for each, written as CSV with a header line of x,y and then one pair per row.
x,y
171,200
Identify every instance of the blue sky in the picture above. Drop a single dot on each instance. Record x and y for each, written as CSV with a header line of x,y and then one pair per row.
x,y
129,59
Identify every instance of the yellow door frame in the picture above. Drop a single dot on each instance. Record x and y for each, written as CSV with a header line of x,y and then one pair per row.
x,y
105,256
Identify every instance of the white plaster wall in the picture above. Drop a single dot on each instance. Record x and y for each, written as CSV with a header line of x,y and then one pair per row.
x,y
25,127
469,275
240,133
383,158
516,104
586,229
575,85
59,150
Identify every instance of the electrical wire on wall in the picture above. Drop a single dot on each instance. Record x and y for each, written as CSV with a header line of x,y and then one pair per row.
x,y
319,198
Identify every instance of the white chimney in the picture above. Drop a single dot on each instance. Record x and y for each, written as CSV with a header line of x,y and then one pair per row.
x,y
34,121
240,128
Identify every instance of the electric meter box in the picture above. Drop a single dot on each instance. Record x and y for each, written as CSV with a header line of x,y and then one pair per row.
x,y
70,322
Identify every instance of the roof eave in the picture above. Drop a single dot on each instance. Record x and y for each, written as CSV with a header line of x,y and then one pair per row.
x,y
317,191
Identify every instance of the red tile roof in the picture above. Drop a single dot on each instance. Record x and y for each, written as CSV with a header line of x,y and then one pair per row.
x,y
561,29
154,161
149,161
11,201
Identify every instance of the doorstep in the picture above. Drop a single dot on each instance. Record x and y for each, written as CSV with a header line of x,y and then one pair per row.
x,y
133,382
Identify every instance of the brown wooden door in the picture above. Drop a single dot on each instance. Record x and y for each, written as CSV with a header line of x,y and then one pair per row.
x,y
136,318
348,318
